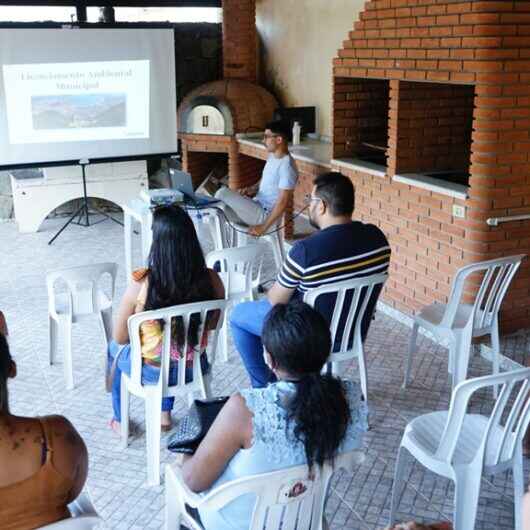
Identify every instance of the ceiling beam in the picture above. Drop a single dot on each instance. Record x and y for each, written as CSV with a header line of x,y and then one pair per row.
x,y
126,3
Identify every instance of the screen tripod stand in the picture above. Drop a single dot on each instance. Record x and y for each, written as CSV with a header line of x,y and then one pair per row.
x,y
84,212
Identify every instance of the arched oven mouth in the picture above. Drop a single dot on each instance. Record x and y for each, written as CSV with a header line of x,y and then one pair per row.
x,y
206,115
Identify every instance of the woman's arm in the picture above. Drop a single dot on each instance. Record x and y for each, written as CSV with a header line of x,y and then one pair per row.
x,y
231,431
126,309
217,284
219,294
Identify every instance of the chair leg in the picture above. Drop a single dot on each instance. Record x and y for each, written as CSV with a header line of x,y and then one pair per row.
x,y
496,352
53,334
67,357
105,318
362,373
518,486
467,491
127,232
217,233
153,417
124,412
412,350
223,342
399,484
275,241
451,356
206,392
172,517
461,357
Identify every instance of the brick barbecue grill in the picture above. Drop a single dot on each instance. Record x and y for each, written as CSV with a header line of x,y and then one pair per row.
x,y
211,115
439,89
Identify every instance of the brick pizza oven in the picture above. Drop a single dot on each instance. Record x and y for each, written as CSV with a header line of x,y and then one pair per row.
x,y
431,120
211,115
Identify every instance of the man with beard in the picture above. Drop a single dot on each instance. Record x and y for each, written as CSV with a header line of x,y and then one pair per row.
x,y
341,249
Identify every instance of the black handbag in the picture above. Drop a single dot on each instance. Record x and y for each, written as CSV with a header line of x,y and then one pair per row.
x,y
192,428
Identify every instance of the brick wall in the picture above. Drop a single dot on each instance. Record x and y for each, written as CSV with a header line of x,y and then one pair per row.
x,y
481,43
430,126
361,114
201,153
250,170
239,40
198,57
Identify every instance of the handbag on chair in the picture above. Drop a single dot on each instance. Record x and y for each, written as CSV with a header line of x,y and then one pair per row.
x,y
192,428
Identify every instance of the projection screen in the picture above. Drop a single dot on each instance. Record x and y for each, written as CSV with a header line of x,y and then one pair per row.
x,y
72,93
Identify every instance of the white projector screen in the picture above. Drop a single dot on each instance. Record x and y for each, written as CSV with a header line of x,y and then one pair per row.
x,y
74,93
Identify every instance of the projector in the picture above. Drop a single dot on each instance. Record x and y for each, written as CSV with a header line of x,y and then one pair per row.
x,y
161,197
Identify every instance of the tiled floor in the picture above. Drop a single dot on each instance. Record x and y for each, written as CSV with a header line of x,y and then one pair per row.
x,y
116,480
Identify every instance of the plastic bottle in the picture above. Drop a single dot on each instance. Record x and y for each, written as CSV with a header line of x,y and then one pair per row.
x,y
296,133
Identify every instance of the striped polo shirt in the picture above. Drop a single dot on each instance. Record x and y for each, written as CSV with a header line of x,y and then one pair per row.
x,y
338,252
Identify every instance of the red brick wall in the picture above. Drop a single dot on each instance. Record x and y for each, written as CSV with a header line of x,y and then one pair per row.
x,y
480,43
430,126
361,114
250,170
239,40
202,152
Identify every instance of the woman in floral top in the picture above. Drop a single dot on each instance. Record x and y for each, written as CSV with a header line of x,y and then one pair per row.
x,y
177,274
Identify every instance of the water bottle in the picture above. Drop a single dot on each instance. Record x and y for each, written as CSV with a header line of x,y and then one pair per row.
x,y
296,133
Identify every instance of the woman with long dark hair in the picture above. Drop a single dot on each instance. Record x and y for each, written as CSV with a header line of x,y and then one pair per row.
x,y
43,462
304,417
177,274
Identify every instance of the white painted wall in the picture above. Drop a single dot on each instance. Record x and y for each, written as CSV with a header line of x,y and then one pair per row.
x,y
299,39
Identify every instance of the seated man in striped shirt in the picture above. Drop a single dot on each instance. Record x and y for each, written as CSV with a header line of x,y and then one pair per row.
x,y
340,250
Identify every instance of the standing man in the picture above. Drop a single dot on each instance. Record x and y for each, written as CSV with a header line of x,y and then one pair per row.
x,y
340,250
275,191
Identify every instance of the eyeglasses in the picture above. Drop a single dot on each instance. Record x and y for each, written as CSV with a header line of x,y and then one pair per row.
x,y
267,136
310,198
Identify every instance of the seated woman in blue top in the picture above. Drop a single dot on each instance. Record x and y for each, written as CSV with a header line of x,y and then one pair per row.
x,y
304,417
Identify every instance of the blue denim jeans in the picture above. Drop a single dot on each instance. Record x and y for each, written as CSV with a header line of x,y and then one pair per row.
x,y
246,322
150,375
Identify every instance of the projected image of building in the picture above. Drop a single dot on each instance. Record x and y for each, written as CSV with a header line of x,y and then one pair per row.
x,y
79,111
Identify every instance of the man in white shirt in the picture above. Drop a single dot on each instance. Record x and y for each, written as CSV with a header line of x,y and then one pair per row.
x,y
275,191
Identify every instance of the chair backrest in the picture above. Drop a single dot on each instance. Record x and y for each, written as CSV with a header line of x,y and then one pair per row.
x,y
206,316
83,286
238,266
356,292
496,277
84,516
506,424
287,499
83,522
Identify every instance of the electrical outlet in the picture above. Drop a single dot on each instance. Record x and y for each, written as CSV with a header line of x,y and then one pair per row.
x,y
459,211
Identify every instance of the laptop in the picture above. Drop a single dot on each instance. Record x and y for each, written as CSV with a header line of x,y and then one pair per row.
x,y
181,181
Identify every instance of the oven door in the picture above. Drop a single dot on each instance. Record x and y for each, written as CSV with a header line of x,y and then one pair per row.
x,y
205,119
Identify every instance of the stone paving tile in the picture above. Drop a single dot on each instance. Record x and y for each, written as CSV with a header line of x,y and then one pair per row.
x,y
116,482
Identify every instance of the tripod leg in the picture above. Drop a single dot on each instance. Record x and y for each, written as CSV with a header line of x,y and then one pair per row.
x,y
100,211
72,217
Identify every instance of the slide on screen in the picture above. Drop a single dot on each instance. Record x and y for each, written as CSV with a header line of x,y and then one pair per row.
x,y
86,93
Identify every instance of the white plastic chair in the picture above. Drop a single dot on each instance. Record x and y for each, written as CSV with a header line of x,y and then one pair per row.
x,y
360,290
463,446
274,238
83,297
284,499
152,394
138,211
458,322
84,516
240,270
